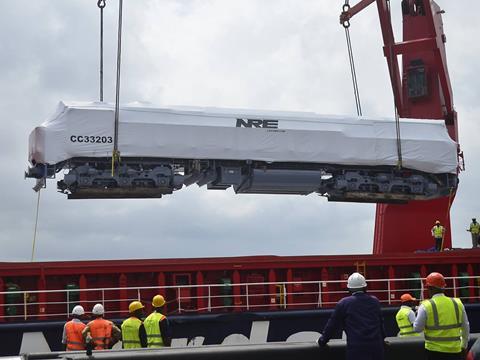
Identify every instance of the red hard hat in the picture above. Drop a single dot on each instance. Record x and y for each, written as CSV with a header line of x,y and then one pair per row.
x,y
406,298
435,279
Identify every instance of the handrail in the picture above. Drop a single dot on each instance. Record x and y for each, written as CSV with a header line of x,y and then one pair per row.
x,y
229,285
317,294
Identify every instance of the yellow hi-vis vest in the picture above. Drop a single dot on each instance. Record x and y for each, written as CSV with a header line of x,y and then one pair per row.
x,y
404,324
443,328
475,228
152,327
130,336
438,231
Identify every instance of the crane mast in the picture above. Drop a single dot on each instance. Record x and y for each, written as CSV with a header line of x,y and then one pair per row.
x,y
421,89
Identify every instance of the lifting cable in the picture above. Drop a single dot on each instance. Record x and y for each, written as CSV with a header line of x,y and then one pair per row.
x,y
397,117
356,93
101,4
399,140
116,153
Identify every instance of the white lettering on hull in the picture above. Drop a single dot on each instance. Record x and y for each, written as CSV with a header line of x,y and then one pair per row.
x,y
34,342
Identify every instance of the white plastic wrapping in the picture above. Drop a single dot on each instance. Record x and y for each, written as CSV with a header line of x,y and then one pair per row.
x,y
86,130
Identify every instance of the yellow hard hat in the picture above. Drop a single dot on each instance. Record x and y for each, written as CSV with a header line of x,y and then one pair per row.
x,y
158,301
134,306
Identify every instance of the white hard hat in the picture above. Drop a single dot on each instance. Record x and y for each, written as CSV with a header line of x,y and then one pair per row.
x,y
78,310
356,281
98,309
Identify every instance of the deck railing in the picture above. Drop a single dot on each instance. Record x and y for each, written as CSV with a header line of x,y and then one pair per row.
x,y
212,298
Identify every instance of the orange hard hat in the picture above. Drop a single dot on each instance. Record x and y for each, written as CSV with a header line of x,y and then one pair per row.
x,y
406,298
436,280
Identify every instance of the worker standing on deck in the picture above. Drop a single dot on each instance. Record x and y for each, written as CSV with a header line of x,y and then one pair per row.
x,y
360,316
156,325
134,335
444,322
72,331
406,316
102,334
438,232
475,232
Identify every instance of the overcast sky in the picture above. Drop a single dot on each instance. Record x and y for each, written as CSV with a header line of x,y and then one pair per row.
x,y
259,54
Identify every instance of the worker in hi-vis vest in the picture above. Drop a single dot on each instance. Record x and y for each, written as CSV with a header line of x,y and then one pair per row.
x,y
475,232
156,325
438,232
101,334
360,316
133,330
72,331
444,322
406,316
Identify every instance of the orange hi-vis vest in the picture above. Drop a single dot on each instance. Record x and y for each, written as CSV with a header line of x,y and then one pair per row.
x,y
73,332
101,332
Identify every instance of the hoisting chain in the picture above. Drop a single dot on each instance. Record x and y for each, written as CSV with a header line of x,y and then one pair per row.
x,y
397,117
101,5
116,153
346,26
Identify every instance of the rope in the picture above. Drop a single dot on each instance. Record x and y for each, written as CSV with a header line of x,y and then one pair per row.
x,y
397,117
116,153
356,93
36,225
101,4
447,215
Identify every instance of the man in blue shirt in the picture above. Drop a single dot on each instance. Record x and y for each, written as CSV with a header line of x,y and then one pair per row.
x,y
360,316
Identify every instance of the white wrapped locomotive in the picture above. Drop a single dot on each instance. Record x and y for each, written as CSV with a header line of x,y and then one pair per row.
x,y
163,149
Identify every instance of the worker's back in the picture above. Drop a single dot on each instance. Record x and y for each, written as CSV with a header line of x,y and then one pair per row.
x,y
362,318
101,332
73,335
131,333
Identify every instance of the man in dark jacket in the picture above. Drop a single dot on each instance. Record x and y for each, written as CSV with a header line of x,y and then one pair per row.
x,y
360,316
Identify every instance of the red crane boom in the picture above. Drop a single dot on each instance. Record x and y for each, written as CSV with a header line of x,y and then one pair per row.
x,y
422,90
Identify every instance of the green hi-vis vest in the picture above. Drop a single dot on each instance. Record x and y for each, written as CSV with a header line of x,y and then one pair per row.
x,y
443,329
152,327
475,228
438,231
404,324
130,330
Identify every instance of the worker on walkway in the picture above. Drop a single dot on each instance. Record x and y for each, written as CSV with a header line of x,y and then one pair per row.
x,y
100,333
156,325
406,316
72,331
360,316
444,322
133,330
438,232
475,232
